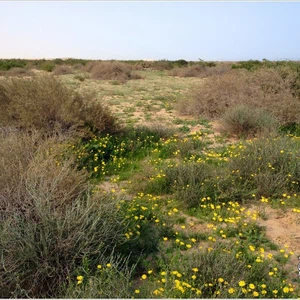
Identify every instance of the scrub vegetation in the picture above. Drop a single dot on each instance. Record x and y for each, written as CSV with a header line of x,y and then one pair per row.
x,y
149,179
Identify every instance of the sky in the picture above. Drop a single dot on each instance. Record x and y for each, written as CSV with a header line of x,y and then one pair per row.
x,y
212,31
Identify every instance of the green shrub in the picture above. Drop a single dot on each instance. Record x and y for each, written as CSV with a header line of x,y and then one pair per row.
x,y
7,64
107,154
181,63
189,181
249,65
45,103
48,67
81,77
49,219
267,167
245,121
112,281
38,254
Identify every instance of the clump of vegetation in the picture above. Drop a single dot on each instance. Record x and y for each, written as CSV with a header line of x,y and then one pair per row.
x,y
106,70
47,66
246,121
62,70
45,103
249,65
270,89
81,77
267,167
7,64
17,72
50,221
145,212
161,65
200,70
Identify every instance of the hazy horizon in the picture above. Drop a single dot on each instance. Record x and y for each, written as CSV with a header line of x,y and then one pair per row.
x,y
212,31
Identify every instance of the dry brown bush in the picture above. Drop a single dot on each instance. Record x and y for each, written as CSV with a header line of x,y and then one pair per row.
x,y
201,71
46,104
89,66
271,89
113,71
62,70
33,169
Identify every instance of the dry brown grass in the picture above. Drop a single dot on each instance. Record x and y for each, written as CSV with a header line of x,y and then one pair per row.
x,y
271,89
46,104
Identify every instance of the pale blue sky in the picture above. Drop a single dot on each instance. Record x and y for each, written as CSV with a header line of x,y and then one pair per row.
x,y
150,30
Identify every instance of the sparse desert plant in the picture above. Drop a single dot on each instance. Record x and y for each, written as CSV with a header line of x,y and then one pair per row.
x,y
47,104
246,121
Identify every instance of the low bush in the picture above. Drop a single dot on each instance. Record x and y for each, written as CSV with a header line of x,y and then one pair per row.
x,y
267,167
47,66
161,65
107,70
270,89
200,70
50,221
30,163
81,77
7,64
246,121
45,103
189,182
111,279
62,70
17,72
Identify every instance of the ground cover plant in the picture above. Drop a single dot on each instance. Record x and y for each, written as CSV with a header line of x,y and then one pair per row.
x,y
139,200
